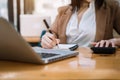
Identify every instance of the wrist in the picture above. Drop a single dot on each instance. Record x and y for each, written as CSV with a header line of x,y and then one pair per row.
x,y
115,41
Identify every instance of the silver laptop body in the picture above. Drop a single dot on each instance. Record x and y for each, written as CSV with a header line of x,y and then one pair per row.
x,y
14,48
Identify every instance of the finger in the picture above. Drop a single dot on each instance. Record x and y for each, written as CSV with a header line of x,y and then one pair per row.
x,y
102,43
51,36
53,43
44,46
97,45
107,44
47,41
58,41
50,39
47,45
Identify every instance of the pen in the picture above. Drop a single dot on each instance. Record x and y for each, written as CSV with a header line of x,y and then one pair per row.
x,y
48,27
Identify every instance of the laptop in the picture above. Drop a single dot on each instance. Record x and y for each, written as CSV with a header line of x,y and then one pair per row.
x,y
14,48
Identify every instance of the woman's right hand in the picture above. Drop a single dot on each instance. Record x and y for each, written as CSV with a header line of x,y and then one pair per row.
x,y
49,41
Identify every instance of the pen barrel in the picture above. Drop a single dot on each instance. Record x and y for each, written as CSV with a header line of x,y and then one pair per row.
x,y
46,24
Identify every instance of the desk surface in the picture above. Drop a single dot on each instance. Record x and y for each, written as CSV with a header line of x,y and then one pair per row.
x,y
32,39
81,67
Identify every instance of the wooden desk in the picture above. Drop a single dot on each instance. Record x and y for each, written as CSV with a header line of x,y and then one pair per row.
x,y
32,39
80,67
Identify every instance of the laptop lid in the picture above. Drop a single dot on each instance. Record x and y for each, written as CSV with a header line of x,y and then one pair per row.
x,y
13,46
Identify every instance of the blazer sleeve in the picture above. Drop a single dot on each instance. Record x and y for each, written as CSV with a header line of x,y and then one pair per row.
x,y
117,17
55,25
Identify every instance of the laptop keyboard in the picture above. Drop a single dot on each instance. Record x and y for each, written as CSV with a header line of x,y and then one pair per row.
x,y
47,55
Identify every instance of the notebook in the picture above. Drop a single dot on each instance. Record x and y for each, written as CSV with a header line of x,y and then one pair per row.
x,y
71,47
14,48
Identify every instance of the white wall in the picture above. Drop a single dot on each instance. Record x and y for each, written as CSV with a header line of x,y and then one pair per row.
x,y
49,7
3,9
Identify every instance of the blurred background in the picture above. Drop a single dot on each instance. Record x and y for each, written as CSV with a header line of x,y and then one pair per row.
x,y
27,15
12,9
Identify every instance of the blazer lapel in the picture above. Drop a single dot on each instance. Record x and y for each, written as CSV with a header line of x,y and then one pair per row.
x,y
64,20
101,16
66,17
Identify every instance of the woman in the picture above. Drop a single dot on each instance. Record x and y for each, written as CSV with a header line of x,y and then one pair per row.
x,y
84,22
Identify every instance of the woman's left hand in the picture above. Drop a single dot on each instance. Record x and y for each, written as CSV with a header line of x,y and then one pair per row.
x,y
106,43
